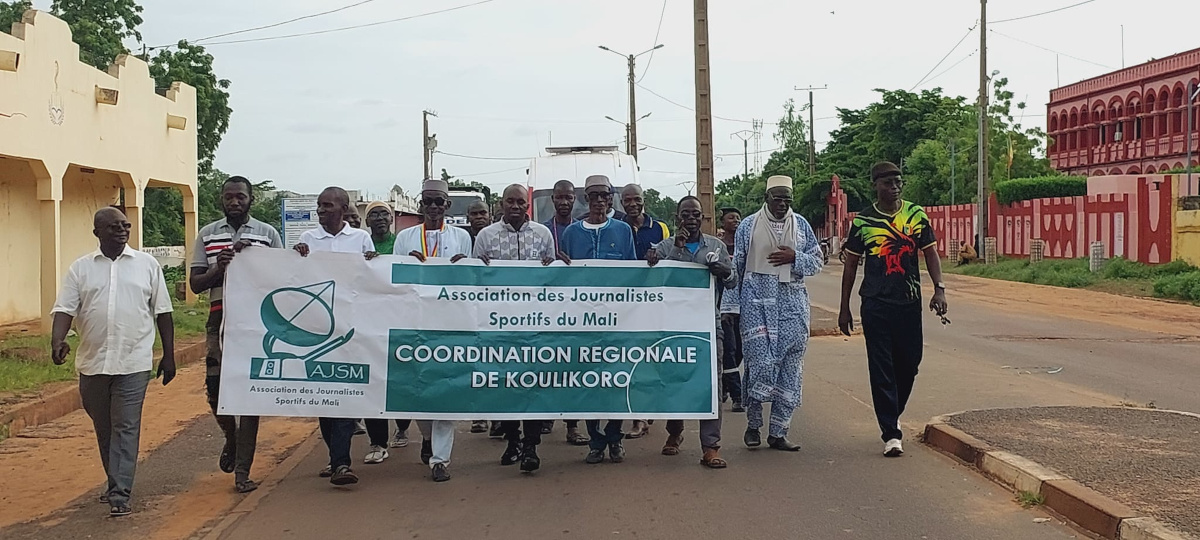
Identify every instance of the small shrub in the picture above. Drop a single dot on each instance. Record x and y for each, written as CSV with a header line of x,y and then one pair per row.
x,y
1041,187
1185,286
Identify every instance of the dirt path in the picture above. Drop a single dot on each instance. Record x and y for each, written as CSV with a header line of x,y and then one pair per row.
x,y
1127,312
52,473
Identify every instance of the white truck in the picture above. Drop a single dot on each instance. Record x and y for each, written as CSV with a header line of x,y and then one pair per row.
x,y
461,198
576,163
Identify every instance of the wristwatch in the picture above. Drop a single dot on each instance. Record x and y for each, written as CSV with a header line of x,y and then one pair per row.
x,y
940,285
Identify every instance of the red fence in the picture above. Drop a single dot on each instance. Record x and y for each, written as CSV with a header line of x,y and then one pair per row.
x,y
1135,224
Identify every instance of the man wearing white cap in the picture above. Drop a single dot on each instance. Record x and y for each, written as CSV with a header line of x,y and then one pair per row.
x,y
775,249
598,236
433,238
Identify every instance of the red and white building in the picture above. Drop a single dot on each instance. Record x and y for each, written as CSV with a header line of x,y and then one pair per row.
x,y
1132,121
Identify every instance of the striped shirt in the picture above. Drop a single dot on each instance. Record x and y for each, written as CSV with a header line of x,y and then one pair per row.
x,y
220,235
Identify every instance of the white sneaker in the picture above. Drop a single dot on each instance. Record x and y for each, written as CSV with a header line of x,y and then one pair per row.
x,y
399,440
376,455
893,448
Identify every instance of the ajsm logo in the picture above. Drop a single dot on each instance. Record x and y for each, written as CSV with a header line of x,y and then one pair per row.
x,y
300,323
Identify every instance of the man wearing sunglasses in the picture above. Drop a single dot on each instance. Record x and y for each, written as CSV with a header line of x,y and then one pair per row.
x,y
598,236
890,234
775,249
433,238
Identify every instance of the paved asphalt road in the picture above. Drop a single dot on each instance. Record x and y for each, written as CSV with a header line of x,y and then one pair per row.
x,y
838,486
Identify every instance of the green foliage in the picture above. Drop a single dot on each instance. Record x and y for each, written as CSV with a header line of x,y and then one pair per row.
x,y
1184,286
492,199
162,218
659,206
1122,268
1025,189
1070,273
10,12
1029,499
190,64
100,27
163,215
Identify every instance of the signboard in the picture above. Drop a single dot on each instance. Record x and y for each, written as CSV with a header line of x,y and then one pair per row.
x,y
299,215
335,335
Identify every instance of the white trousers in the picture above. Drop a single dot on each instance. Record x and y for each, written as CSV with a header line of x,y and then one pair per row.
x,y
441,433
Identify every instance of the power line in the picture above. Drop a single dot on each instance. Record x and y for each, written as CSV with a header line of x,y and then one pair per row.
x,y
1042,13
485,158
1047,49
956,64
656,34
948,53
289,21
734,154
685,107
489,173
352,27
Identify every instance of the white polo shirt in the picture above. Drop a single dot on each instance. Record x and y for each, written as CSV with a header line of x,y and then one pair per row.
x,y
347,240
114,304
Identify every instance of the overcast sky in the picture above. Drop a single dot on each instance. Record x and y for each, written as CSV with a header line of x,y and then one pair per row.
x,y
505,76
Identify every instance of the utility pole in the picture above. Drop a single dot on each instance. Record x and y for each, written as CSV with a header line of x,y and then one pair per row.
x,y
952,172
982,176
633,118
745,135
1192,93
430,143
704,149
812,140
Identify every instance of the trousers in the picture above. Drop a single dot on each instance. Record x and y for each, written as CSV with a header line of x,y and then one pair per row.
x,y
337,433
731,375
710,430
243,431
441,434
895,346
114,403
512,431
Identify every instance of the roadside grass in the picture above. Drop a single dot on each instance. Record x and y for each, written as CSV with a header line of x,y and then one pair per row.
x,y
1029,499
25,359
1176,280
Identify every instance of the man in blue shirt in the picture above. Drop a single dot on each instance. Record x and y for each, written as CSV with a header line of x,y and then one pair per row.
x,y
598,236
647,231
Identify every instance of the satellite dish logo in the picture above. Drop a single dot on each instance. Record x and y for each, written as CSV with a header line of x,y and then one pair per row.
x,y
299,324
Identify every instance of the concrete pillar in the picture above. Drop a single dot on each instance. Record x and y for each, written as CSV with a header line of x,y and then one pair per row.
x,y
1037,250
1097,259
135,201
50,194
190,230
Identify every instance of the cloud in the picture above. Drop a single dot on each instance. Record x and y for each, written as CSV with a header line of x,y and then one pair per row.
x,y
314,128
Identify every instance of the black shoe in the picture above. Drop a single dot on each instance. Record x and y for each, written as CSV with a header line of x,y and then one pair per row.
x,y
547,427
737,407
781,443
343,476
495,432
440,474
228,456
479,426
512,455
594,456
752,438
529,459
616,453
426,451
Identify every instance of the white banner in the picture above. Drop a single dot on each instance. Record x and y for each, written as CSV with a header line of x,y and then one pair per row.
x,y
334,335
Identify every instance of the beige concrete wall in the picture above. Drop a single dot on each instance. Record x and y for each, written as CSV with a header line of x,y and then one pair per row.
x,y
73,152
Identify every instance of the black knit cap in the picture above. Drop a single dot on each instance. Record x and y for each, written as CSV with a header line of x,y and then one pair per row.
x,y
729,209
884,169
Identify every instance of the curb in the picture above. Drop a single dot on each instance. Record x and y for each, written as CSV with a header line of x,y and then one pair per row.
x,y
250,503
66,401
1086,508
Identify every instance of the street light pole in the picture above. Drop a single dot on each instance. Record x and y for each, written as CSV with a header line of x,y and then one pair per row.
x,y
630,148
633,118
745,135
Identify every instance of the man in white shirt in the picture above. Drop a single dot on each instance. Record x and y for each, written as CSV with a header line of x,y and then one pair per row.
x,y
335,235
433,238
116,296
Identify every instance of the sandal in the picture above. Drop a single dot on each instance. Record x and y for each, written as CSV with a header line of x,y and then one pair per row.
x,y
671,448
245,486
578,439
712,459
119,511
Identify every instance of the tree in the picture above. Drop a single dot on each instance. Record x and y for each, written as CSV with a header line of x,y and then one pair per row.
x,y
11,12
492,199
100,28
190,64
659,206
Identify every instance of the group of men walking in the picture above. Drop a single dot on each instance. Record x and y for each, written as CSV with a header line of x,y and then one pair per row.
x,y
116,295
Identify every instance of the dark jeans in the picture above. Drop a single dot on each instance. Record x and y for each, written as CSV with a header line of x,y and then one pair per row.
x,y
337,433
894,347
114,403
731,360
243,431
512,431
377,431
611,434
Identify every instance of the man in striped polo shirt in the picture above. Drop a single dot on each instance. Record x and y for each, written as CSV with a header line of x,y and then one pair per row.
x,y
215,248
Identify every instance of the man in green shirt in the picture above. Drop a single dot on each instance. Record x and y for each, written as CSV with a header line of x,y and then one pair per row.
x,y
379,220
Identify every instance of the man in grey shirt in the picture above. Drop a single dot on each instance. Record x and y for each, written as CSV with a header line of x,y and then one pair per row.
x,y
215,248
690,245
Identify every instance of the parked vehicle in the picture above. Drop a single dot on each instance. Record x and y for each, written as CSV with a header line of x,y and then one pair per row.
x,y
576,163
825,249
461,199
